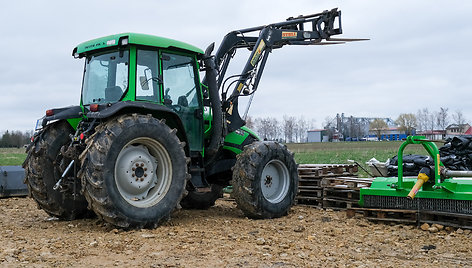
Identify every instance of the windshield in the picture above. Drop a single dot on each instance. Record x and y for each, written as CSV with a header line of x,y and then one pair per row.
x,y
105,77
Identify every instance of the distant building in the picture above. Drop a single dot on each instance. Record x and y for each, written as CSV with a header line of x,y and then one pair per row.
x,y
458,130
358,128
317,135
394,134
433,134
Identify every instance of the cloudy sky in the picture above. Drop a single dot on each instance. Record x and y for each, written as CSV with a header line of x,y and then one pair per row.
x,y
418,57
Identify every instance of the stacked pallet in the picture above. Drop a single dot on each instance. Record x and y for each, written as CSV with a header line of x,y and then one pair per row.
x,y
310,187
343,192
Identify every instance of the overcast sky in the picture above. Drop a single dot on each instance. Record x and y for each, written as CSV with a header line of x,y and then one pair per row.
x,y
418,56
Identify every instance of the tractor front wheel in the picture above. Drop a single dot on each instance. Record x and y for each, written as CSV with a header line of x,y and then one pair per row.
x,y
265,180
134,171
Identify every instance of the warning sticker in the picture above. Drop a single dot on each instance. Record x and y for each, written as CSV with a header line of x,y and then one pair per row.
x,y
258,53
288,35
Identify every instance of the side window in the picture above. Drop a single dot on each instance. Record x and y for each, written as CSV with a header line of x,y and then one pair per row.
x,y
147,82
179,80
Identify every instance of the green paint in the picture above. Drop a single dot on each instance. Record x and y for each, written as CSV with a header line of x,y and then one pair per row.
x,y
137,39
74,122
451,188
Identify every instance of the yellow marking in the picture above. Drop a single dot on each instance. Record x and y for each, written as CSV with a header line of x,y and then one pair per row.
x,y
258,52
230,109
438,158
240,87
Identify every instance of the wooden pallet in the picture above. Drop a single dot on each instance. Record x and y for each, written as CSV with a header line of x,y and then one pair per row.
x,y
346,182
310,201
326,170
446,219
386,215
340,198
310,190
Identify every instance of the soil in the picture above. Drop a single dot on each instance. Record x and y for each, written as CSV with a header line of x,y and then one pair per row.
x,y
223,237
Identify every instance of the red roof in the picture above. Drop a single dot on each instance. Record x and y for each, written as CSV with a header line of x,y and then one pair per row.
x,y
469,131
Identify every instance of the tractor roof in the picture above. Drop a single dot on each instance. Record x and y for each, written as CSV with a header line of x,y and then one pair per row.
x,y
133,38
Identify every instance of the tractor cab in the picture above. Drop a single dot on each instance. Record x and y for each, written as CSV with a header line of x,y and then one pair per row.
x,y
155,72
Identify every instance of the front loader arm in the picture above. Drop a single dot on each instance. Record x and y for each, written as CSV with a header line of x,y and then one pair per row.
x,y
315,29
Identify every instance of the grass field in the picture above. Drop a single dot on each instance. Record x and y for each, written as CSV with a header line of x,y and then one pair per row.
x,y
340,152
305,153
12,156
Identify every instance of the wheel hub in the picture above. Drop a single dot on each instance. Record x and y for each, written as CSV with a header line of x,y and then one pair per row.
x,y
136,172
268,181
143,172
275,181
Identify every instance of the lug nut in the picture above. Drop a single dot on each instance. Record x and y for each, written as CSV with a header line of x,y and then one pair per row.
x,y
133,175
142,164
145,175
137,165
142,179
133,169
145,169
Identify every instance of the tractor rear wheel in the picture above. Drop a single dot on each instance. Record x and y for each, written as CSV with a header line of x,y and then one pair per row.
x,y
265,180
134,171
44,166
196,200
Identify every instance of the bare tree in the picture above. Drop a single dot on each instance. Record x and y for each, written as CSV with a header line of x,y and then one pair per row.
x,y
431,121
268,128
442,118
422,119
250,122
302,128
378,126
288,127
458,117
330,124
406,123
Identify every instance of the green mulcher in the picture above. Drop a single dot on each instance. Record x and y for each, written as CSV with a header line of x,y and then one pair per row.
x,y
435,189
149,136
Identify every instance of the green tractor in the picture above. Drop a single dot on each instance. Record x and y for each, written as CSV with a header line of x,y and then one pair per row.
x,y
149,136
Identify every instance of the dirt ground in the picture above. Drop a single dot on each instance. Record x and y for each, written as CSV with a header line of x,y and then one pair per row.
x,y
223,237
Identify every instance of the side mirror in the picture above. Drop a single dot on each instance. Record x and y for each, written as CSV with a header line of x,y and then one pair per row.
x,y
144,83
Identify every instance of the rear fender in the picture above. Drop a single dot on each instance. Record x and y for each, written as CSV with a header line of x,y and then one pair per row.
x,y
156,110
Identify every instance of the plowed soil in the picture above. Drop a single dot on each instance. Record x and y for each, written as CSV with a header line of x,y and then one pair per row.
x,y
223,237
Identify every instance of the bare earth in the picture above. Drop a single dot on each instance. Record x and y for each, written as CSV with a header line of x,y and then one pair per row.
x,y
223,237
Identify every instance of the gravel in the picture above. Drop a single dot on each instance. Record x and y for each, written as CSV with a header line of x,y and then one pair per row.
x,y
223,237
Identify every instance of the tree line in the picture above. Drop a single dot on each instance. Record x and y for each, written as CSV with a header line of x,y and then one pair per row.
x,y
15,138
422,120
288,129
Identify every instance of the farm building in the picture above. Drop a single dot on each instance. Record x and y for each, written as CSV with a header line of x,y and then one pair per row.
x,y
317,135
458,130
432,134
394,134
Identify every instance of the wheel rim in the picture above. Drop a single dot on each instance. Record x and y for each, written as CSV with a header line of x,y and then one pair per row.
x,y
275,181
143,172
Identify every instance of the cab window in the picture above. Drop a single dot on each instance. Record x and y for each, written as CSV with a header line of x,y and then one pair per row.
x,y
180,86
147,79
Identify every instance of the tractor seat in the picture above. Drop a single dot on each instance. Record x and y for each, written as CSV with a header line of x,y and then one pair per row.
x,y
182,101
113,93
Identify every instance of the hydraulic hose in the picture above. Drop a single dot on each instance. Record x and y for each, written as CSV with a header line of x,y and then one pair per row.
x,y
211,83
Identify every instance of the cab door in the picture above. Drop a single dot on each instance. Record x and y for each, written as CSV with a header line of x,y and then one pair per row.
x,y
182,94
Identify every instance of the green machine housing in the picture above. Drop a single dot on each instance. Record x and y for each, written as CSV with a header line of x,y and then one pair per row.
x,y
445,191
